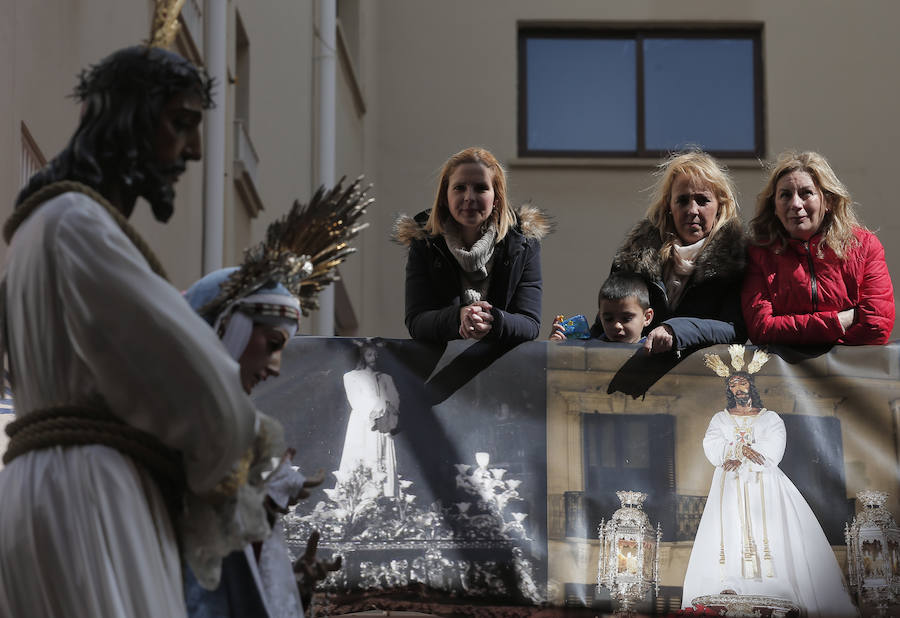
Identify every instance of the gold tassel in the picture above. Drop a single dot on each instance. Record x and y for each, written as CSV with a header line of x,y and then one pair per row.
x,y
751,564
767,555
722,572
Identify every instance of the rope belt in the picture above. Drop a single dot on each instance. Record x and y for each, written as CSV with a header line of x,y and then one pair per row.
x,y
79,426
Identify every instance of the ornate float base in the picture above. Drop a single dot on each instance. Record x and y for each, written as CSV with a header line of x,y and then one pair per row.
x,y
755,606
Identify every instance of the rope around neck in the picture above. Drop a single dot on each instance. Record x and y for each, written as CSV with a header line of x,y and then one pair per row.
x,y
44,194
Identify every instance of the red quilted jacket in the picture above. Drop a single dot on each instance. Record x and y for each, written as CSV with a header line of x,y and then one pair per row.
x,y
794,297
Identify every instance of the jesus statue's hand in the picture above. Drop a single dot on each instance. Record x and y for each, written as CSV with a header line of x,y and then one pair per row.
x,y
309,570
731,464
753,456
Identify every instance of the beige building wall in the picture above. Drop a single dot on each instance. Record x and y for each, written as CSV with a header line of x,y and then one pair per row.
x,y
447,79
352,114
281,105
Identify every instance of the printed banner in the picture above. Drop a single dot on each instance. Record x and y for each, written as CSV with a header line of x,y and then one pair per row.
x,y
472,479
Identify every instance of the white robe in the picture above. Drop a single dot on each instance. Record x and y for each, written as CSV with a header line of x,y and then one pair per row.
x,y
84,530
803,567
369,393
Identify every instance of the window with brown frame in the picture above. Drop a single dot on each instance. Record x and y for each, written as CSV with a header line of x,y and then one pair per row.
x,y
640,92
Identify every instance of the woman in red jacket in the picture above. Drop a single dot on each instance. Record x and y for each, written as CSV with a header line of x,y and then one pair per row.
x,y
814,273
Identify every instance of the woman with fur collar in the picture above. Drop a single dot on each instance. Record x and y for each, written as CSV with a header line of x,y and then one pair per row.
x,y
690,249
474,265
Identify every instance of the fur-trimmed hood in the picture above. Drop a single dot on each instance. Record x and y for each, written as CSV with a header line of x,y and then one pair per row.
x,y
531,222
724,256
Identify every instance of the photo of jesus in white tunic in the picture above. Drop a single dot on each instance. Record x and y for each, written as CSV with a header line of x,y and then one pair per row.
x,y
374,404
757,534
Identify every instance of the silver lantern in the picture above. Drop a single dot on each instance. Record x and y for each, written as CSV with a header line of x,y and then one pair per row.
x,y
629,560
873,554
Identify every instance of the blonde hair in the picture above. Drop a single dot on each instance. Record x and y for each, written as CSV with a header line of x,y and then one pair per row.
x,y
840,218
502,216
698,166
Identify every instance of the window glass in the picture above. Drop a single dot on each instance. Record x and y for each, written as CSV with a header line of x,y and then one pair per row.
x,y
581,94
636,445
601,445
699,92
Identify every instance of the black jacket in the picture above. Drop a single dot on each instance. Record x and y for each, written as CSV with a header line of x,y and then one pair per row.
x,y
433,283
710,307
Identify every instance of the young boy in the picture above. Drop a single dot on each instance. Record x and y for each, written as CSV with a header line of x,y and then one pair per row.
x,y
624,311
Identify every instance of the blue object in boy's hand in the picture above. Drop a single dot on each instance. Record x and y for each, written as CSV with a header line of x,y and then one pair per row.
x,y
576,327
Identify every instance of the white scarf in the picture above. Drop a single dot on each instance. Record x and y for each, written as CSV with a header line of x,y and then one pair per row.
x,y
680,268
476,262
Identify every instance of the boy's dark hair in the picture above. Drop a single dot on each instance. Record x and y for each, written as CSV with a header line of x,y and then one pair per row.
x,y
621,286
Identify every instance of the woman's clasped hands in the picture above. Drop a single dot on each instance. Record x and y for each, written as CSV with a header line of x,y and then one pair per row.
x,y
475,320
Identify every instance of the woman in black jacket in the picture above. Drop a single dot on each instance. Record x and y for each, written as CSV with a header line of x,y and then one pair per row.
x,y
691,251
474,266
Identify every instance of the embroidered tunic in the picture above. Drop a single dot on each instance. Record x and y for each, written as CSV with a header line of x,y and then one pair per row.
x,y
757,534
